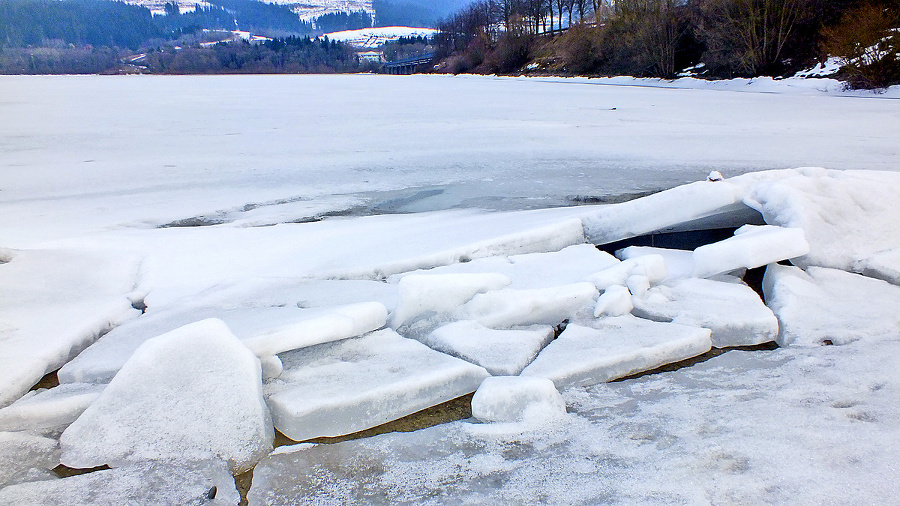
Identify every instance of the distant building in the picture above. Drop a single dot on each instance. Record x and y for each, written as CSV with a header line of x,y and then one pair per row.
x,y
371,56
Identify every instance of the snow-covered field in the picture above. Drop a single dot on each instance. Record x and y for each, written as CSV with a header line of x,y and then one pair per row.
x,y
376,37
207,259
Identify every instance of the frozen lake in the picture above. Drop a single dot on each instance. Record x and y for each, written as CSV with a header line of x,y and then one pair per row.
x,y
83,153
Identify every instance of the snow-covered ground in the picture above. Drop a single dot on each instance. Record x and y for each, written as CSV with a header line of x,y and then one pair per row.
x,y
376,37
320,254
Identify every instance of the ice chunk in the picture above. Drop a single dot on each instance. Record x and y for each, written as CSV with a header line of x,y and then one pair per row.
x,y
613,348
653,267
858,207
21,453
151,482
679,263
752,246
830,305
615,301
193,393
733,311
271,367
346,386
53,304
51,410
679,205
338,323
515,398
441,293
510,307
501,352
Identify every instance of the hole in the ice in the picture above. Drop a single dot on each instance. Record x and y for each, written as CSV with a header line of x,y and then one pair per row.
x,y
560,328
211,493
687,240
196,221
49,380
754,279
450,411
66,472
243,482
140,305
828,342
714,352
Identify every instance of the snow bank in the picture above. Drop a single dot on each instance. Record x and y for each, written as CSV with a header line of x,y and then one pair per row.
x,y
192,394
848,217
501,352
509,307
515,398
155,482
441,293
346,386
752,246
824,304
338,323
51,410
613,348
731,310
53,304
26,457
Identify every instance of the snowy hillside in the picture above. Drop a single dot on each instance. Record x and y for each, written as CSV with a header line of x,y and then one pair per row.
x,y
376,37
307,11
410,275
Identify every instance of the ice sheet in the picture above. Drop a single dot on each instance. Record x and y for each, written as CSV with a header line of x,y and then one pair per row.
x,y
346,386
501,352
191,394
752,246
679,263
613,348
548,306
441,293
732,310
517,398
51,410
26,457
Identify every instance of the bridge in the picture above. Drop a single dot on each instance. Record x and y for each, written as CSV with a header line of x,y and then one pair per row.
x,y
410,65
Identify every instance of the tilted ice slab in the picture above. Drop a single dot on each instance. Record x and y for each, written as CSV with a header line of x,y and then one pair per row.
x,y
150,482
266,328
441,293
51,410
752,246
26,457
53,304
697,205
613,348
194,393
346,386
849,217
517,398
572,264
679,263
732,310
549,306
824,304
338,323
501,352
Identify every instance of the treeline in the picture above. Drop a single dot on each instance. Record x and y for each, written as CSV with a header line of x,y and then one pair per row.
x,y
340,21
658,38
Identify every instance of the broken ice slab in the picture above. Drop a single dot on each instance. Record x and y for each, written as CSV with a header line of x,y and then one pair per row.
x,y
695,206
615,347
441,293
190,483
26,457
501,352
536,270
337,323
752,246
193,393
53,304
653,267
49,411
679,263
825,305
273,328
517,398
614,301
346,386
732,310
548,306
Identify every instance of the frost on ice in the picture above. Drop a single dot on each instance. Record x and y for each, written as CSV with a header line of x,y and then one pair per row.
x,y
50,410
347,386
194,393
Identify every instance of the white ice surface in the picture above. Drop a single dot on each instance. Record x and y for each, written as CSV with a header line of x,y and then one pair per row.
x,y
548,306
517,398
26,457
651,266
149,482
613,348
53,304
49,411
614,301
346,386
827,304
501,352
679,263
441,293
194,393
752,246
733,311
